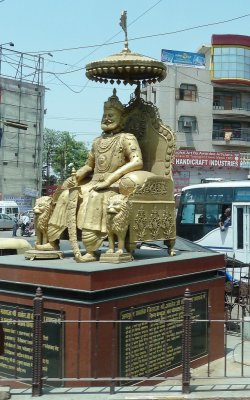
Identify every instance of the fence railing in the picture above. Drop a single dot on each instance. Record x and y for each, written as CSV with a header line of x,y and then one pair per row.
x,y
39,362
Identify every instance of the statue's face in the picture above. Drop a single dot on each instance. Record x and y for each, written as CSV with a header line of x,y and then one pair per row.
x,y
111,120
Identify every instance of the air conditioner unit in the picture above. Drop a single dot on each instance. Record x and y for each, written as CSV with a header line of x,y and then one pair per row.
x,y
187,123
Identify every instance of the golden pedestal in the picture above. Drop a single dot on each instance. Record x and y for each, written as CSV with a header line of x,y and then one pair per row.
x,y
115,257
43,255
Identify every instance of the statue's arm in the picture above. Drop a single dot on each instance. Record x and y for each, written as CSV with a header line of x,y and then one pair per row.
x,y
87,169
81,173
134,156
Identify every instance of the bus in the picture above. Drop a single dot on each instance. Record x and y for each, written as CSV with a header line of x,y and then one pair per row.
x,y
200,209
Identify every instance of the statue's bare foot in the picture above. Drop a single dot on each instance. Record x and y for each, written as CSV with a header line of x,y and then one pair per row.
x,y
110,251
88,257
119,251
47,246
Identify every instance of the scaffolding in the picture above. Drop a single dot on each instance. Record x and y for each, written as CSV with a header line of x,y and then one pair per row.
x,y
21,123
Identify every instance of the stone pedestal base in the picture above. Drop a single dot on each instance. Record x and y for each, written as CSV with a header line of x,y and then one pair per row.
x,y
43,255
115,257
107,298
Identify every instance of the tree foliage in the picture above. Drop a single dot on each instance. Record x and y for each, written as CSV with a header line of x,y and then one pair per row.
x,y
61,152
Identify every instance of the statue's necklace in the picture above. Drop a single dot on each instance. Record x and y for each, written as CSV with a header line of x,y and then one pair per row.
x,y
106,143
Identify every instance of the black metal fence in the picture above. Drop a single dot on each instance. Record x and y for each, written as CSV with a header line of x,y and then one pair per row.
x,y
31,366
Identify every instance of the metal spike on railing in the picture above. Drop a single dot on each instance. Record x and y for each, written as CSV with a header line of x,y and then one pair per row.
x,y
37,344
186,342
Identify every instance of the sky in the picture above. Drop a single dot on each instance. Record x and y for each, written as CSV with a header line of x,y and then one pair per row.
x,y
77,32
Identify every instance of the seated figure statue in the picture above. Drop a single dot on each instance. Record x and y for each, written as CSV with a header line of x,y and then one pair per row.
x,y
113,154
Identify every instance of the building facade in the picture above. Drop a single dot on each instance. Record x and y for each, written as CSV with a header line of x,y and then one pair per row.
x,y
21,127
205,98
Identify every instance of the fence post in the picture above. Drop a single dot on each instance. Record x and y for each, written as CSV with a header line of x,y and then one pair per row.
x,y
37,344
186,342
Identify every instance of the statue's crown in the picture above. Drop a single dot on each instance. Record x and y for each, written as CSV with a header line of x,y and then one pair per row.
x,y
114,102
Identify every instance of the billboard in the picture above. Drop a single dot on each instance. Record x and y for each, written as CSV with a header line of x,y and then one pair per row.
x,y
193,158
174,57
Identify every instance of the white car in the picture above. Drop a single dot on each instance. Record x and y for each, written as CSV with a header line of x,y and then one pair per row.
x,y
6,222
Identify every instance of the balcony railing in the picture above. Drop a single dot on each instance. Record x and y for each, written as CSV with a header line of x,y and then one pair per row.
x,y
244,107
239,134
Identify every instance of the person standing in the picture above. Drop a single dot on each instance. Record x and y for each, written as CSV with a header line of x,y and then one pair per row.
x,y
25,223
15,226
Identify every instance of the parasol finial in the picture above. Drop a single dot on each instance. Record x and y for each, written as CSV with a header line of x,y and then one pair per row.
x,y
123,24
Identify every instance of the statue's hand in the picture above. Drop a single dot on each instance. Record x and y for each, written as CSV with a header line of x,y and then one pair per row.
x,y
79,175
101,185
68,183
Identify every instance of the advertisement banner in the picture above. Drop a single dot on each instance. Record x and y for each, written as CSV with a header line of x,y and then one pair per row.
x,y
181,179
185,58
192,158
30,192
24,203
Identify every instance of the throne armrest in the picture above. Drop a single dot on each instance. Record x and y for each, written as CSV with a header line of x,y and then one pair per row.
x,y
144,185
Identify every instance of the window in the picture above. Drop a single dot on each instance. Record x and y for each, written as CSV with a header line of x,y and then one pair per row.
x,y
187,92
231,62
227,100
242,194
193,195
187,124
219,195
212,214
192,214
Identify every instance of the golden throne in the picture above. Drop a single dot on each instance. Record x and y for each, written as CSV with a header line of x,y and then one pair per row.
x,y
150,192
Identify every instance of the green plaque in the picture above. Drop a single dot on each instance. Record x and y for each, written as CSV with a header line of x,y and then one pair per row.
x,y
17,358
150,348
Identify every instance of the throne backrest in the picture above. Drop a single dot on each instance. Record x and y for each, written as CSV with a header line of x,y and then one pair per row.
x,y
156,140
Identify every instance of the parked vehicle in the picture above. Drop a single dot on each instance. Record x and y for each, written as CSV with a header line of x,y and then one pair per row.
x,y
9,207
200,211
11,246
6,222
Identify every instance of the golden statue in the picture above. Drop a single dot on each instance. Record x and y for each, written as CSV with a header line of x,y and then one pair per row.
x,y
111,196
113,154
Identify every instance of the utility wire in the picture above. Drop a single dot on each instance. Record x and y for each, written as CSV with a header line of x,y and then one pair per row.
x,y
106,42
143,37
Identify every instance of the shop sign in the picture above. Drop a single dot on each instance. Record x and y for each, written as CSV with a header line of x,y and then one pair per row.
x,y
192,158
